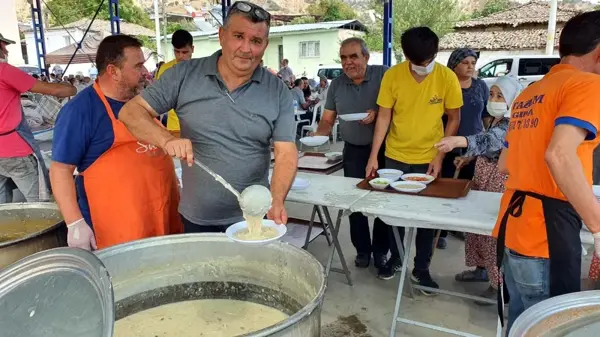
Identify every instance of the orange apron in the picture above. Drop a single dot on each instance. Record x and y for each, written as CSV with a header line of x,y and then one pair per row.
x,y
131,189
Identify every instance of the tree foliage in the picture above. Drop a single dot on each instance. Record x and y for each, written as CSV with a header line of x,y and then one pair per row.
x,y
331,10
67,11
303,19
439,15
491,7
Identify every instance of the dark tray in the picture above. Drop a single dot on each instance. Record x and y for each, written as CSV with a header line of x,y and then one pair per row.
x,y
439,188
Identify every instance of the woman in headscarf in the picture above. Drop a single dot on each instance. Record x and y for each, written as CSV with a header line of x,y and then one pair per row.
x,y
475,94
485,146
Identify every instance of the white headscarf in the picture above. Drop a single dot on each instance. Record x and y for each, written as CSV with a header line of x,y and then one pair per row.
x,y
510,88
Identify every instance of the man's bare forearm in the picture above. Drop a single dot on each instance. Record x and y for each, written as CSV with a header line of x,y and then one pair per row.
x,y
567,171
284,172
138,117
384,118
324,128
63,188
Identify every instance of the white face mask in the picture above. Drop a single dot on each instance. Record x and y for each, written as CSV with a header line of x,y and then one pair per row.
x,y
423,71
497,109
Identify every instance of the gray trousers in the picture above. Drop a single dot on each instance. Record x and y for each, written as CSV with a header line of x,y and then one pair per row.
x,y
22,172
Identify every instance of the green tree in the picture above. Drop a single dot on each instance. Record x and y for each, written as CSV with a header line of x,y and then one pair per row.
x,y
491,7
331,10
67,11
303,19
439,15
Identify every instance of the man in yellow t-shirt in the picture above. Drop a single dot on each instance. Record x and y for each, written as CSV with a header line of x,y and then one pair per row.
x,y
183,48
413,97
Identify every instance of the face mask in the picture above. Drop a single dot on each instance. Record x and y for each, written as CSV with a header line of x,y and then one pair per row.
x,y
497,109
423,71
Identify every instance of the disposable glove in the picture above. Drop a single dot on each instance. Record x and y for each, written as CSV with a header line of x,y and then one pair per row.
x,y
80,235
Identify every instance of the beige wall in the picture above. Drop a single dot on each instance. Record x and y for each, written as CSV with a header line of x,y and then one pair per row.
x,y
10,29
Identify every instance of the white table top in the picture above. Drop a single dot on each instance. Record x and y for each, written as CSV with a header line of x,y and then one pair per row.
x,y
328,191
476,213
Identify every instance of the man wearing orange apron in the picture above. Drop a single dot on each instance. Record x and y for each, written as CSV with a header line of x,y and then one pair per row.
x,y
126,190
552,134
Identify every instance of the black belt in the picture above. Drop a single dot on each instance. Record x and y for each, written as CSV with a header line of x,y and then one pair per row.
x,y
563,225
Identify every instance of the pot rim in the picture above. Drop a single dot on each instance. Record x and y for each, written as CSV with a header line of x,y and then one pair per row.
x,y
301,314
26,205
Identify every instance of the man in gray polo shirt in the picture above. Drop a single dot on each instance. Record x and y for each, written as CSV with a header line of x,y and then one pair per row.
x,y
230,109
356,91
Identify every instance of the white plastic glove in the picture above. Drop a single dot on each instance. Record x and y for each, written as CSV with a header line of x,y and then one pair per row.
x,y
80,235
597,243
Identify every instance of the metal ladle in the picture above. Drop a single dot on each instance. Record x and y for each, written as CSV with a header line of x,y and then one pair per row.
x,y
249,194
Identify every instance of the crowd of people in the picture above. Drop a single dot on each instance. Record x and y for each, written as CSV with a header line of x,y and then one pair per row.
x,y
227,110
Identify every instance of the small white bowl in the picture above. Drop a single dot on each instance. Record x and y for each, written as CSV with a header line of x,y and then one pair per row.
x,y
333,155
231,230
314,141
390,174
428,178
407,186
382,186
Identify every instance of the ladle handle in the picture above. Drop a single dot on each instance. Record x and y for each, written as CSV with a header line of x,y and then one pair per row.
x,y
217,177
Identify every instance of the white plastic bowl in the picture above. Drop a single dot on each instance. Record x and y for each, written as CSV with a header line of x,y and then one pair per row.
x,y
373,184
333,155
231,230
390,174
314,141
407,177
403,186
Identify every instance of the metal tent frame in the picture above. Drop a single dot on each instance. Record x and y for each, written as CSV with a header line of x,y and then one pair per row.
x,y
38,29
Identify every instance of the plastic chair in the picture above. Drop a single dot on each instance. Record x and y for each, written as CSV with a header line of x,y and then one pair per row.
x,y
299,121
317,111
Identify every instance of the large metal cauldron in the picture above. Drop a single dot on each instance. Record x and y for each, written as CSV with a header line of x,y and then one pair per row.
x,y
570,315
158,271
49,237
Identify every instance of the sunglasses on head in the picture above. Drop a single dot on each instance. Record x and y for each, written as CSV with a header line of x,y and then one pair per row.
x,y
253,10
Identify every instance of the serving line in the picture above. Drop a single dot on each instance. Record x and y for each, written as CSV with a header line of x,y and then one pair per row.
x,y
323,192
476,213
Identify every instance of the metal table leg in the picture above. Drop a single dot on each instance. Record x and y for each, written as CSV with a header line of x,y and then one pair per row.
x,y
336,244
409,238
311,223
323,222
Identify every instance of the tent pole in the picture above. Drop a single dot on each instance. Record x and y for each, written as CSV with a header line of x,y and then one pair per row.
x,y
38,35
387,32
551,27
113,10
157,28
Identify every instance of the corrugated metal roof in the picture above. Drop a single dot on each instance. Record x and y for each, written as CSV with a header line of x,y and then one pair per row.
x,y
344,24
347,24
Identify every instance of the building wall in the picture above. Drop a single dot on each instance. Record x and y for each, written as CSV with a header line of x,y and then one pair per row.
x,y
9,27
55,39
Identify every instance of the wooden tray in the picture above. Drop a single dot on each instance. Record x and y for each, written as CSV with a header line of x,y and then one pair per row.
x,y
439,188
317,162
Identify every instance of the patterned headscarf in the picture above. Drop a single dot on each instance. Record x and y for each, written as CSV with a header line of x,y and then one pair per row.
x,y
458,55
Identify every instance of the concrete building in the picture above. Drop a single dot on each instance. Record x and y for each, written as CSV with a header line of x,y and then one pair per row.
x,y
58,38
521,30
9,27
